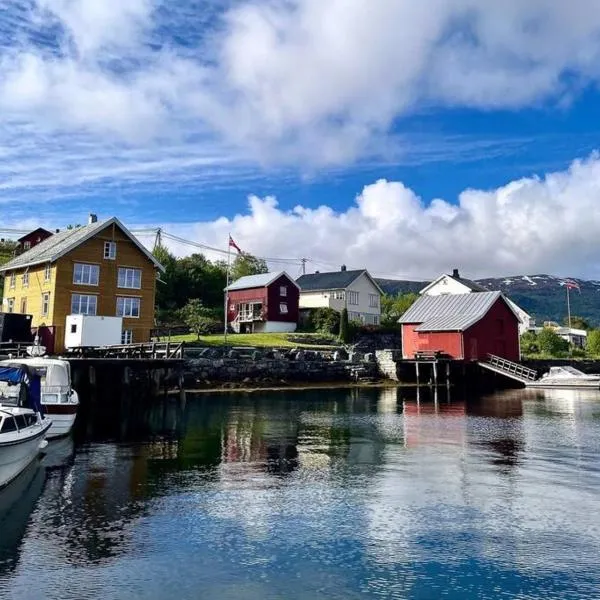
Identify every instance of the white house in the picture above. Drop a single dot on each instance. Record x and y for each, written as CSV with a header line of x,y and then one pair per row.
x,y
356,291
455,284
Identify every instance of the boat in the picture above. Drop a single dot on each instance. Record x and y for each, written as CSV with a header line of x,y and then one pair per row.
x,y
59,400
23,429
567,378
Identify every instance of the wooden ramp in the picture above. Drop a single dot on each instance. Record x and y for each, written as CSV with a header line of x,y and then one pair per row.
x,y
509,369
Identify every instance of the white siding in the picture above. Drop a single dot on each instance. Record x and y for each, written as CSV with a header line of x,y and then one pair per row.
x,y
446,285
275,327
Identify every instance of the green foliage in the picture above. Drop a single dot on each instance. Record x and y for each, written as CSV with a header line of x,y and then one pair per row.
x,y
578,323
246,264
593,342
550,343
325,320
393,307
529,343
200,319
344,327
7,251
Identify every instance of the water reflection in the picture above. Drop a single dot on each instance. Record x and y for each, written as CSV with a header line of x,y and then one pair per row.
x,y
332,494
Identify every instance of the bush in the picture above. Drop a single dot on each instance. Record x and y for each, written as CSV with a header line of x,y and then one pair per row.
x,y
550,343
593,342
344,327
325,320
529,343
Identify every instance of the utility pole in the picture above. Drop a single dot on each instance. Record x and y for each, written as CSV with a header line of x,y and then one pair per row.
x,y
304,261
158,239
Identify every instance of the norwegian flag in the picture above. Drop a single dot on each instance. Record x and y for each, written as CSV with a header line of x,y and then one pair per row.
x,y
571,285
232,244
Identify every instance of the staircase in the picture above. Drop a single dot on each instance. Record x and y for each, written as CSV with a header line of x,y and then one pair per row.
x,y
509,369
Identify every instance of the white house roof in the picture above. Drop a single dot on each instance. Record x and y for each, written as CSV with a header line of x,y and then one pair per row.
x,y
258,281
453,312
61,243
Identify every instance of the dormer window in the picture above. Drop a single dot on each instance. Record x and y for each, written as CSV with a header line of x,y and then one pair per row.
x,y
27,245
110,250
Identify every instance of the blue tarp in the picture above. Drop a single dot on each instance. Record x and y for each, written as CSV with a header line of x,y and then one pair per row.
x,y
13,375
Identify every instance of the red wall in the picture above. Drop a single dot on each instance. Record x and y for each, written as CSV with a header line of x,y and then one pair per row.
x,y
292,299
448,342
497,333
237,297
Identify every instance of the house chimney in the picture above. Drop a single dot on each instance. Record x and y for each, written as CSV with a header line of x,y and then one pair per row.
x,y
92,219
455,274
317,272
343,268
57,231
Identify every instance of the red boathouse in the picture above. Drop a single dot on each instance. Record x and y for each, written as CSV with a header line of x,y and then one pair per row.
x,y
461,327
266,303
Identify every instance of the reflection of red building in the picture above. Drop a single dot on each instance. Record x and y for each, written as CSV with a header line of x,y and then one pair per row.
x,y
429,423
461,327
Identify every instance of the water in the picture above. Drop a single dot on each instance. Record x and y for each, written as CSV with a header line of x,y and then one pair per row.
x,y
332,494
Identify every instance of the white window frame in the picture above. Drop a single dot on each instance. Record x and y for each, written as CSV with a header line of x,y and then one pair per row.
x,y
125,307
12,281
25,279
88,268
338,295
353,298
127,336
27,245
129,271
110,250
47,273
283,291
45,310
10,305
283,308
374,300
90,301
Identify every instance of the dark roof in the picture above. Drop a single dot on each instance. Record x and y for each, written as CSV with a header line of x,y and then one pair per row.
x,y
41,230
61,243
451,312
336,280
472,285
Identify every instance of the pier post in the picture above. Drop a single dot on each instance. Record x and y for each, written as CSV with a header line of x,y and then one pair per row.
x,y
448,374
417,371
435,373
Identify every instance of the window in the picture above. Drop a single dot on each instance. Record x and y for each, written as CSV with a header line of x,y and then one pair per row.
x,y
10,305
373,300
23,305
338,295
73,327
27,245
45,304
83,305
8,425
128,307
110,250
283,308
283,290
353,316
26,279
127,336
47,273
13,280
130,278
86,274
353,298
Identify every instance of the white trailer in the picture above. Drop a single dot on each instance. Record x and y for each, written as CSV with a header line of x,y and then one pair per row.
x,y
89,331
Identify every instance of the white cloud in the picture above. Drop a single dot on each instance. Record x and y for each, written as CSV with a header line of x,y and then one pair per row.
x,y
531,225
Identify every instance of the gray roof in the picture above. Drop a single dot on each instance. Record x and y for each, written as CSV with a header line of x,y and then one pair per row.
x,y
61,243
257,281
335,280
452,312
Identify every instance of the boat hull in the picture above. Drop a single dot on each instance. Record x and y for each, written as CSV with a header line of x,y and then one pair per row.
x,y
15,456
63,417
593,384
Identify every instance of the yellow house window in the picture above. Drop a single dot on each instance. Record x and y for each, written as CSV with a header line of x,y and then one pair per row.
x,y
10,305
13,281
26,279
47,273
23,305
45,304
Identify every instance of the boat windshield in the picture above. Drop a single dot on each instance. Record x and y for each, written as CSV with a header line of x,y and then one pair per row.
x,y
565,371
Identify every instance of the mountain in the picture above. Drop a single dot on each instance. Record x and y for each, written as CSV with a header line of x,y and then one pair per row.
x,y
542,296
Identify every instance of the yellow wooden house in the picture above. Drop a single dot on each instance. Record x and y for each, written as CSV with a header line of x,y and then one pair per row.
x,y
99,269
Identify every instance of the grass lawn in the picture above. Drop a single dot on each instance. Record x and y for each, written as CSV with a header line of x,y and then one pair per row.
x,y
279,340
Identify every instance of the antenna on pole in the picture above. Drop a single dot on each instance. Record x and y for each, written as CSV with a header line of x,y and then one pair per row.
x,y
158,239
304,261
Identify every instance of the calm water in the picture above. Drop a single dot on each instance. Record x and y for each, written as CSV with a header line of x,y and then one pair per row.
x,y
332,494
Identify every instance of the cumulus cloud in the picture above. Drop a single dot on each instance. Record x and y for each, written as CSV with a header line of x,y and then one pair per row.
x,y
533,225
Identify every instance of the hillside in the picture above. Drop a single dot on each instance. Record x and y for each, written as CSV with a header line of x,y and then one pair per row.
x,y
542,296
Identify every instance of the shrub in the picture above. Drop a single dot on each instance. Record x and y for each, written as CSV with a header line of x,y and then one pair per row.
x,y
550,343
325,320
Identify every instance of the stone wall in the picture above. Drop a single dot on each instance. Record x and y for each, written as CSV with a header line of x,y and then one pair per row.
x,y
387,363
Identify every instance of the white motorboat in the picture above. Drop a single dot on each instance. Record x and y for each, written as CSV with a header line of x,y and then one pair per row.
x,y
566,377
59,400
22,430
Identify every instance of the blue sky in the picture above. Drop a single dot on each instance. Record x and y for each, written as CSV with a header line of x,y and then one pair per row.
x,y
407,139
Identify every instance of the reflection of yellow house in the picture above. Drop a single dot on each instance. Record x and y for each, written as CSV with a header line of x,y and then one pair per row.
x,y
99,269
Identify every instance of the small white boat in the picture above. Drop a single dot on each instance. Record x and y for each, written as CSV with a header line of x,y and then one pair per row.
x,y
566,378
59,400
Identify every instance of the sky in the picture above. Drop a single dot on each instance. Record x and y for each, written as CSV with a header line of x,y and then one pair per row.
x,y
404,137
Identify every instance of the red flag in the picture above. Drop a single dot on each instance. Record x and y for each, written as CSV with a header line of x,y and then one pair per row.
x,y
571,285
232,244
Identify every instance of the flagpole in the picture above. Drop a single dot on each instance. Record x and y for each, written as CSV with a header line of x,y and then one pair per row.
x,y
227,287
568,310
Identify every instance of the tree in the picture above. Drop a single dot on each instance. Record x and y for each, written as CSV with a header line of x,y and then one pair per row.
x,y
325,319
198,318
550,343
344,326
529,343
578,323
246,264
593,342
393,307
7,252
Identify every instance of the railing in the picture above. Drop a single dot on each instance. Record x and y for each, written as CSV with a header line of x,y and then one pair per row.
x,y
14,349
249,315
512,368
152,350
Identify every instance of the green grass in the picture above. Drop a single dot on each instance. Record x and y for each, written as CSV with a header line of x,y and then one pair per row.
x,y
278,340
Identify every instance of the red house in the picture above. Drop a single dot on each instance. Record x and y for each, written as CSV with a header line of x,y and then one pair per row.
x,y
264,303
461,326
33,238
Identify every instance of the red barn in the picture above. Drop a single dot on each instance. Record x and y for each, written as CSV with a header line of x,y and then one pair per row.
x,y
461,326
264,303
